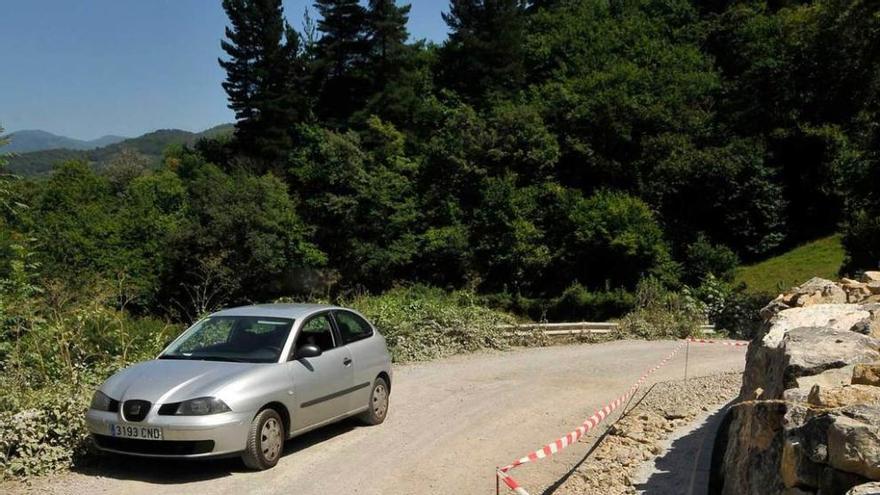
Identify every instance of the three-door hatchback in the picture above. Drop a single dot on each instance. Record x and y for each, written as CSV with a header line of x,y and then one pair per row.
x,y
242,381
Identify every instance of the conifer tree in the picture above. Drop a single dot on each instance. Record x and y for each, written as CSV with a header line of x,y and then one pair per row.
x,y
340,67
484,52
387,38
264,77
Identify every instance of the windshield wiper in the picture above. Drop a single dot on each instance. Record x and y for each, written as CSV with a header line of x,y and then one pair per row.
x,y
219,358
203,358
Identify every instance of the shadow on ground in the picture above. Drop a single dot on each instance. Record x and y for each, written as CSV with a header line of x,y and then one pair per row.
x,y
685,466
176,471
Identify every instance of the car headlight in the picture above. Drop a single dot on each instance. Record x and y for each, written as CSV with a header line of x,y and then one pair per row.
x,y
101,402
201,406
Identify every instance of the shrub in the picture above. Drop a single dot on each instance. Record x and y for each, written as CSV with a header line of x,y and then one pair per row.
x,y
575,303
730,308
422,323
704,258
578,303
58,353
661,313
48,435
861,239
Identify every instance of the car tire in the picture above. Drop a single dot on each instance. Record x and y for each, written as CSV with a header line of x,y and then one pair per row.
x,y
377,407
265,441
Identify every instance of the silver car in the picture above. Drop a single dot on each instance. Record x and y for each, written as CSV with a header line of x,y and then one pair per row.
x,y
242,381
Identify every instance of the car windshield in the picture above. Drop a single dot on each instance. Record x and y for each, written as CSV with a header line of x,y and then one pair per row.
x,y
243,339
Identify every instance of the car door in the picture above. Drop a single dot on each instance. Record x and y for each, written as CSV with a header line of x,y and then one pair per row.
x,y
321,384
368,360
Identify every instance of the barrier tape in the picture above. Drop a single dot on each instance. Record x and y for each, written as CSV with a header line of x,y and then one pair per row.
x,y
575,435
732,343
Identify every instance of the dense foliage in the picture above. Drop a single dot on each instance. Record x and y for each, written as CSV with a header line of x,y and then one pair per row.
x,y
543,146
560,159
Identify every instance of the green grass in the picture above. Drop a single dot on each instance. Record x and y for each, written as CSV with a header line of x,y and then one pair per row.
x,y
819,258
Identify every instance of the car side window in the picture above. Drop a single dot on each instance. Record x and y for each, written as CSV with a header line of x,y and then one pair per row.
x,y
352,327
316,331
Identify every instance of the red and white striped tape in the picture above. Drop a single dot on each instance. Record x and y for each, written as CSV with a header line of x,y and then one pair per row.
x,y
732,343
589,424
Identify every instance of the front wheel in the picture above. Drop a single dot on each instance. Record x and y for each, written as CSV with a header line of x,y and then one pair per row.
x,y
265,441
377,408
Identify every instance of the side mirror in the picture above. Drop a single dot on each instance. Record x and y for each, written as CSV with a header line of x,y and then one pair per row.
x,y
308,351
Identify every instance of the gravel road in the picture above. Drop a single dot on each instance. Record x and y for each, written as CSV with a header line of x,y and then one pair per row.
x,y
451,422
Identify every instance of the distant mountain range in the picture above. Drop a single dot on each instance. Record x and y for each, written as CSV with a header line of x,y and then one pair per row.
x,y
47,150
36,140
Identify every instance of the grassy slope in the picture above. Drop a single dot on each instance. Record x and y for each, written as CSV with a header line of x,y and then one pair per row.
x,y
819,258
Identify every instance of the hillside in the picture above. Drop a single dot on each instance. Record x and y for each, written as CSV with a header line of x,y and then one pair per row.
x,y
151,145
37,140
819,258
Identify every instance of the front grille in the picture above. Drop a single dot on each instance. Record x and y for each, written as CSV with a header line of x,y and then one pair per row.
x,y
155,447
135,410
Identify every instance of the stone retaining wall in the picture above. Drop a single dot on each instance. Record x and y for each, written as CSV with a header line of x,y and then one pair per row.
x,y
808,420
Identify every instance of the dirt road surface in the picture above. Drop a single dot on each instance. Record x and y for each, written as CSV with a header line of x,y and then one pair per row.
x,y
451,422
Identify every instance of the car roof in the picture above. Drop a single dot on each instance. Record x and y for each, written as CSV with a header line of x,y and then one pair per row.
x,y
276,310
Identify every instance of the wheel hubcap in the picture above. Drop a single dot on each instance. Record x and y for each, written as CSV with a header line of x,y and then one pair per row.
x,y
270,439
380,401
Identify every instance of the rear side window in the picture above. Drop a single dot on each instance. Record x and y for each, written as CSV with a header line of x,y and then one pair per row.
x,y
352,327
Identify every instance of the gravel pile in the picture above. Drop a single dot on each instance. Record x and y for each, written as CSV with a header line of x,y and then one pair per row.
x,y
638,435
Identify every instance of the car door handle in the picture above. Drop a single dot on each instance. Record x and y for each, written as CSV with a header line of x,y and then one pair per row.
x,y
346,361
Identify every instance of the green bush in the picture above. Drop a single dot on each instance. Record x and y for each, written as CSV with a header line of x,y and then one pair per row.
x,y
661,313
731,308
422,323
861,239
576,303
57,354
47,436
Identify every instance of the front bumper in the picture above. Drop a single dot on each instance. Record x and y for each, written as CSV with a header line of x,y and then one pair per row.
x,y
182,436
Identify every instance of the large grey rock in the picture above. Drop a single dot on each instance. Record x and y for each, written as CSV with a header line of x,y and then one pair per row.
x,y
787,353
835,377
854,447
753,456
812,350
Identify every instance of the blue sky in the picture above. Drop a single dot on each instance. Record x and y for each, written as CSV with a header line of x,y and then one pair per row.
x,y
94,67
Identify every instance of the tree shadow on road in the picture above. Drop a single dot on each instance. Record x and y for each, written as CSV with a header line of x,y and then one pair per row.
x,y
180,471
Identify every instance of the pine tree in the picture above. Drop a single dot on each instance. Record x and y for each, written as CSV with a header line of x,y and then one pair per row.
x,y
484,52
387,39
340,67
264,77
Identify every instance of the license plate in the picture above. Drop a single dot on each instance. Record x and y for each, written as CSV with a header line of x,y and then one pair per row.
x,y
132,431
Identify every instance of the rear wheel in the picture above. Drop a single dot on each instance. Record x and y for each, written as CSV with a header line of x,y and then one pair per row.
x,y
265,441
377,408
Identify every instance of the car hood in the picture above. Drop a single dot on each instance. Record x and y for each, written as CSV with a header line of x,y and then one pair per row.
x,y
165,380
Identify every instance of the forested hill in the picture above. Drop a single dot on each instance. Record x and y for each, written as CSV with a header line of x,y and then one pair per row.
x,y
37,140
551,155
147,148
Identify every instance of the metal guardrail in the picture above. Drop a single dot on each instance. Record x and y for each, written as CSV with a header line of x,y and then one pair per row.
x,y
576,328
